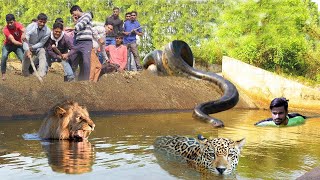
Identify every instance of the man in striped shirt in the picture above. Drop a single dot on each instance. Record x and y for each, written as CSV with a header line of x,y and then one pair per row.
x,y
80,54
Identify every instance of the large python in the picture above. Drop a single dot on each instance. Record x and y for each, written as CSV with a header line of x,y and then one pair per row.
x,y
177,59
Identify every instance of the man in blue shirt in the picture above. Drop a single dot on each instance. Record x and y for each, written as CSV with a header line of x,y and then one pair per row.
x,y
37,35
131,29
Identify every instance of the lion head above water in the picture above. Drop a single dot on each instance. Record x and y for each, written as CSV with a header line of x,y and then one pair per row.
x,y
67,120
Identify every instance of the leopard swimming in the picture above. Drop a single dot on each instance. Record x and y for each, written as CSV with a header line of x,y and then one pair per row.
x,y
217,155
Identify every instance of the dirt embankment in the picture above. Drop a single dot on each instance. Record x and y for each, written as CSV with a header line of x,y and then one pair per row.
x,y
26,97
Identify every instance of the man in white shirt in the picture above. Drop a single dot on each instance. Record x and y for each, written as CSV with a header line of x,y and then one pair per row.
x,y
37,35
99,38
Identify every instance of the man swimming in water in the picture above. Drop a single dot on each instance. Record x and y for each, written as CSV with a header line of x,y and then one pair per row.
x,y
280,115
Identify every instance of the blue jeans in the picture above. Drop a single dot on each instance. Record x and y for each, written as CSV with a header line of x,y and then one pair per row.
x,y
110,40
6,50
66,67
131,64
100,57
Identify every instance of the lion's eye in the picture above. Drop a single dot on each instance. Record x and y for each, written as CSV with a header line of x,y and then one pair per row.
x,y
79,118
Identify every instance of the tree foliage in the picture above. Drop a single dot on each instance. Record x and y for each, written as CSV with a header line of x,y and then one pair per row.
x,y
276,35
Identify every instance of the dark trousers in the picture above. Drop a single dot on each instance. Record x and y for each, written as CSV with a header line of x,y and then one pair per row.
x,y
81,57
133,47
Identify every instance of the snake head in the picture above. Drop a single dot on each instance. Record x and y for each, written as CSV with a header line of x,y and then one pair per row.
x,y
217,124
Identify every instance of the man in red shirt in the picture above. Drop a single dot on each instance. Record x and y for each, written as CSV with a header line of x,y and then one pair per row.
x,y
14,33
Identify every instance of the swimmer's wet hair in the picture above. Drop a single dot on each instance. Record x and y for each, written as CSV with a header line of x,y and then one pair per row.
x,y
278,102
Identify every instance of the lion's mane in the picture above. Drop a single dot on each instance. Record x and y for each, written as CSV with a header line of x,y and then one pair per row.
x,y
66,120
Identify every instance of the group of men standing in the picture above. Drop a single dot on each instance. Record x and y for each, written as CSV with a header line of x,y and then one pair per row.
x,y
71,46
130,28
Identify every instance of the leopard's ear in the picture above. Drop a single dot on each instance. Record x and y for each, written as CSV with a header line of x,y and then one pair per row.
x,y
60,112
240,143
202,139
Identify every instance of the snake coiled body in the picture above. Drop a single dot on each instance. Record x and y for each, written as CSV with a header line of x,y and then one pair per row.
x,y
177,59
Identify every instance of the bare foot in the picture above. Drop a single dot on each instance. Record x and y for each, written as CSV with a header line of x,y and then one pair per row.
x,y
3,77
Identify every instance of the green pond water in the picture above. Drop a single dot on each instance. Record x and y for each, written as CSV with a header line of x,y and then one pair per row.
x,y
121,148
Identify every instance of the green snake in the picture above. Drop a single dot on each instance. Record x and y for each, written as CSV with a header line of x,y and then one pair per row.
x,y
177,59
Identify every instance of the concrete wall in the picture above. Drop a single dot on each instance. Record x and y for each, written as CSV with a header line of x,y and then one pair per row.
x,y
262,86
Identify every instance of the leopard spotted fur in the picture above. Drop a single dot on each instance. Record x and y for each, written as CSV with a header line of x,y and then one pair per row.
x,y
218,155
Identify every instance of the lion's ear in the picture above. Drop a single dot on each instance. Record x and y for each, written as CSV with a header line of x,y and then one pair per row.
x,y
60,112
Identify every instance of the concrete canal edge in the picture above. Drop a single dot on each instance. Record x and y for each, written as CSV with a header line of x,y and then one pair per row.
x,y
311,175
258,87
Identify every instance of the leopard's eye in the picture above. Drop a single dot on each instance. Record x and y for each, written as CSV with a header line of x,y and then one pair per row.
x,y
211,154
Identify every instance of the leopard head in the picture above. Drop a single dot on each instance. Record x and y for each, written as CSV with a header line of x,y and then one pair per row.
x,y
220,155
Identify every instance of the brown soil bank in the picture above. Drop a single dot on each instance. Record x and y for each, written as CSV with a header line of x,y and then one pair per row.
x,y
127,92
25,97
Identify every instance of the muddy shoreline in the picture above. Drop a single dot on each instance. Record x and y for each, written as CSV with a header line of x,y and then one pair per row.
x,y
118,93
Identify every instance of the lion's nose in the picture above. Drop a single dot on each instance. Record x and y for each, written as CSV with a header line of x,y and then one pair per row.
x,y
92,126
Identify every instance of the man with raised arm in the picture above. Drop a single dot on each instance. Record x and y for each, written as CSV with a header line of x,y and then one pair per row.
x,y
81,53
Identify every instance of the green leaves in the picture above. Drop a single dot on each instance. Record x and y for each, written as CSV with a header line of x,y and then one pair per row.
x,y
271,34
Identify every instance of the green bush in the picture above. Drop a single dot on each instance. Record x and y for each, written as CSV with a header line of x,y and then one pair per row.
x,y
281,36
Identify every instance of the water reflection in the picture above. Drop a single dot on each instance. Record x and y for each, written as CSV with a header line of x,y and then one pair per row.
x,y
184,171
69,157
121,147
